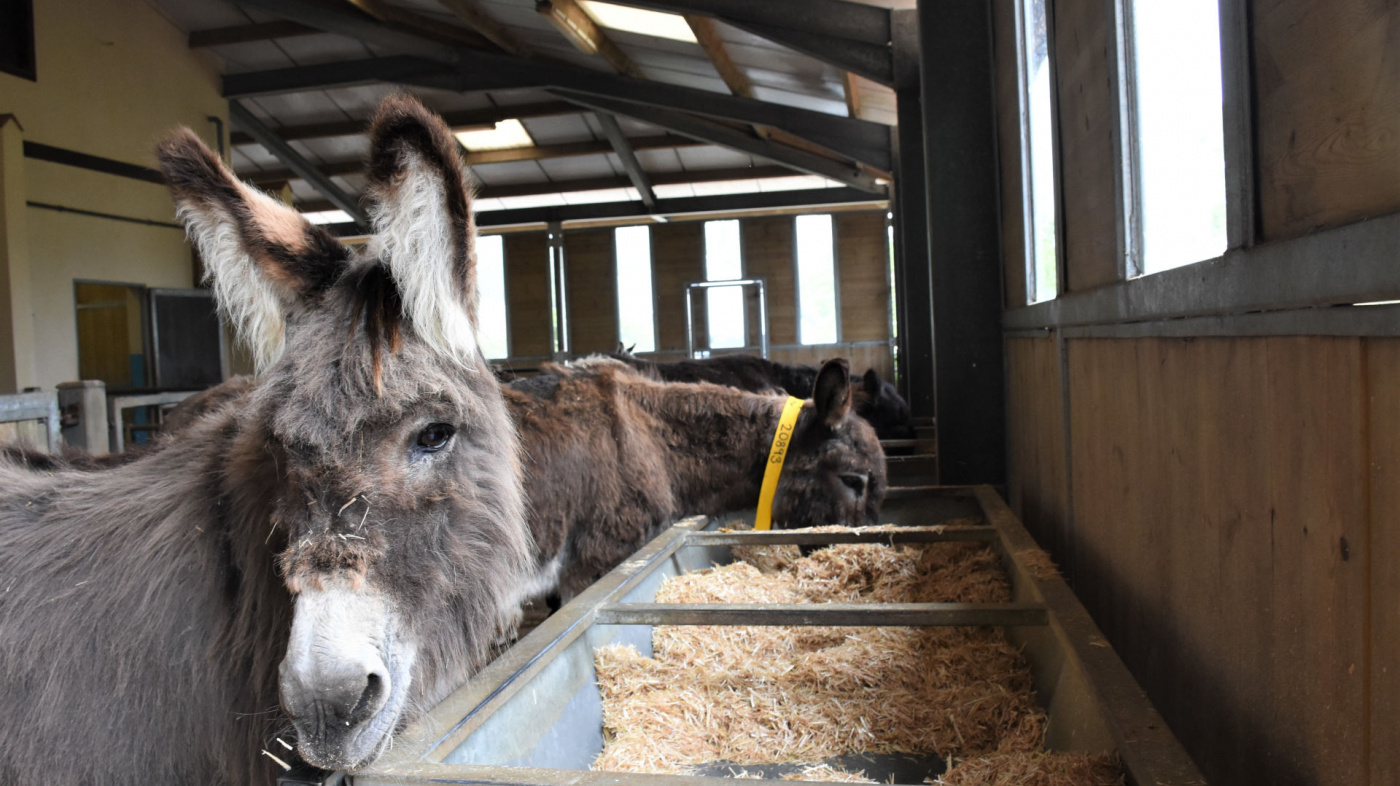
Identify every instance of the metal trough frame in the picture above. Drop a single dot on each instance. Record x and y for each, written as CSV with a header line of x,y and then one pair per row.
x,y
1092,702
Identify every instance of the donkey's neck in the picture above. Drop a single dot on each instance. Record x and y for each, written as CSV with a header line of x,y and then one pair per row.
x,y
718,440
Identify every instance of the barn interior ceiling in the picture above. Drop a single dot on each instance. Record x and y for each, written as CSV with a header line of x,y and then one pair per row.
x,y
718,105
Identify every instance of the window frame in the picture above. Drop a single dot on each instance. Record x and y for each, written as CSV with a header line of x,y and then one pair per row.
x,y
743,265
505,294
651,265
1028,246
1236,128
797,281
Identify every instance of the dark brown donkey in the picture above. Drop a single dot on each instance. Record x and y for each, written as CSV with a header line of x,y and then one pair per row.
x,y
345,545
613,456
875,400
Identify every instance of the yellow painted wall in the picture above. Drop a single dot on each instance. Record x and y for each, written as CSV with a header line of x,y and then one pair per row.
x,y
114,75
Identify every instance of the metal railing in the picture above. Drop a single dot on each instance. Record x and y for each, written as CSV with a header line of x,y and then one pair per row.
x,y
16,407
117,404
738,282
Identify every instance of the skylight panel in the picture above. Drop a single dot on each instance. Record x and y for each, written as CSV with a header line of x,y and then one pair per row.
x,y
505,135
639,20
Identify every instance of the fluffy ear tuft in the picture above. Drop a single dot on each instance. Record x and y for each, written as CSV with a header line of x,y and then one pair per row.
x,y
832,392
421,211
263,257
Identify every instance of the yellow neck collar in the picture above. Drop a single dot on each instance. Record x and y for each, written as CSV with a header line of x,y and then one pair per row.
x,y
782,438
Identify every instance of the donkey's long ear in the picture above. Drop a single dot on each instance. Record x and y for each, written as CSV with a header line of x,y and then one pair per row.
x,y
421,211
832,392
264,258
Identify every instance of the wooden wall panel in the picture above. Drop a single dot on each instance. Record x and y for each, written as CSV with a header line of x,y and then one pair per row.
x,y
1327,98
1383,385
861,356
1008,100
678,258
1037,491
1083,39
769,254
862,262
527,293
1214,481
591,265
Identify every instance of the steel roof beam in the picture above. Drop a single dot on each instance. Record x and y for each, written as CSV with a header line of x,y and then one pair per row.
x,y
241,117
834,18
624,151
716,133
461,119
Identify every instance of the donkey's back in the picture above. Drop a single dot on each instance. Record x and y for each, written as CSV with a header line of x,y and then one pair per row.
x,y
108,676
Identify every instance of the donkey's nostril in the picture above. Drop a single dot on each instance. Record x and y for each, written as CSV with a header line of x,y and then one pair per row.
x,y
370,701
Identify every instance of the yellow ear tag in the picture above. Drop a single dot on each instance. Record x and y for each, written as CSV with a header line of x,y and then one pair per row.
x,y
782,438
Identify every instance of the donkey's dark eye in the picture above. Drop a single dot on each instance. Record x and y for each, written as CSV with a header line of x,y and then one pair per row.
x,y
435,437
855,483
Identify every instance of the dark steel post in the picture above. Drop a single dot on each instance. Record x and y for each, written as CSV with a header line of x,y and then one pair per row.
x,y
960,162
913,295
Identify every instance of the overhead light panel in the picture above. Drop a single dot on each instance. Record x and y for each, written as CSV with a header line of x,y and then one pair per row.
x,y
639,20
504,135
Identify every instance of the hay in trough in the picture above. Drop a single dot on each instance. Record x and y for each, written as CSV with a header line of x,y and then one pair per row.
x,y
763,695
1035,769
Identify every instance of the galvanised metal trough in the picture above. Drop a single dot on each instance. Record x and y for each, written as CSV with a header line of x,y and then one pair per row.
x,y
534,717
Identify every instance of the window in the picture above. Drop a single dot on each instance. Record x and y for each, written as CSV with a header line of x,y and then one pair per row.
x,y
1037,152
17,39
816,280
493,333
1178,171
636,310
724,306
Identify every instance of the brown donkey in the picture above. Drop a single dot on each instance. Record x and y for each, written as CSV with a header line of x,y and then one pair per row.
x,y
345,544
613,456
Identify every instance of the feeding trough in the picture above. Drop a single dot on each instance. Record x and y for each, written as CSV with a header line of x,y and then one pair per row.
x,y
534,716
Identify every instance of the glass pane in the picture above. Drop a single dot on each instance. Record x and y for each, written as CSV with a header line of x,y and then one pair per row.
x,y
636,312
724,306
1181,136
1040,149
816,280
491,279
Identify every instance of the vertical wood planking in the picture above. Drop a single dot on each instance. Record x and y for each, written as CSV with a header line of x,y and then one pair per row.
x,y
1327,97
591,277
1383,559
862,266
1214,481
1035,442
527,293
1083,41
1315,441
678,251
768,254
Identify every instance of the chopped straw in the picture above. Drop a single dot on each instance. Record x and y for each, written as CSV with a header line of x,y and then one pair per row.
x,y
763,695
1035,769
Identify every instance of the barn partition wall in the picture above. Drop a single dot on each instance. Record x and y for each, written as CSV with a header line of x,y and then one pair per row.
x,y
678,257
1213,452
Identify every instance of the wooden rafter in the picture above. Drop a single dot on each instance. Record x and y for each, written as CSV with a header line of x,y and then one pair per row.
x,y
734,78
471,13
852,88
710,41
409,21
574,23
